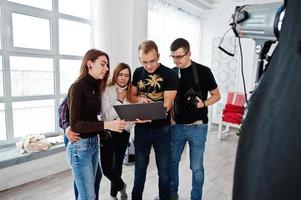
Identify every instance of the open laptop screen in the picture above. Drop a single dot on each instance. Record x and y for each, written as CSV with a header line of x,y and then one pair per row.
x,y
142,111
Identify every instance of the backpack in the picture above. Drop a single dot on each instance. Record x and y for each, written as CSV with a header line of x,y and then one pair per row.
x,y
129,156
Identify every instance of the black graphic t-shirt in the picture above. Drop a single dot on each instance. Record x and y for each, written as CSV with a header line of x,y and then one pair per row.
x,y
152,86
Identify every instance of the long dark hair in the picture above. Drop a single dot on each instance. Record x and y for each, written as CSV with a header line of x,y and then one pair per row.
x,y
92,55
117,70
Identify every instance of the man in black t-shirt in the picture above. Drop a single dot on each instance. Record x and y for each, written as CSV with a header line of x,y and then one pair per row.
x,y
152,82
190,115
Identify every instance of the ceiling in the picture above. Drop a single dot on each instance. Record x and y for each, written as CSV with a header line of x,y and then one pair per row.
x,y
201,7
207,5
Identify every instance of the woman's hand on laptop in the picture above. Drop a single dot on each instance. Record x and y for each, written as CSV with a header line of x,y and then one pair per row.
x,y
139,121
115,125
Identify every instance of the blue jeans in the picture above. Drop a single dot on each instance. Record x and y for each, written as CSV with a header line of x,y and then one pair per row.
x,y
83,156
97,178
145,137
195,135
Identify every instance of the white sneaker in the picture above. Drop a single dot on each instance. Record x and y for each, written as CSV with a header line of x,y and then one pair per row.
x,y
123,194
157,198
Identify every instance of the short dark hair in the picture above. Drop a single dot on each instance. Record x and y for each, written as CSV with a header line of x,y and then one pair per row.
x,y
147,45
180,43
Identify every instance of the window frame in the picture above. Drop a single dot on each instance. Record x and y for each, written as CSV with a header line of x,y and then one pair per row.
x,y
6,10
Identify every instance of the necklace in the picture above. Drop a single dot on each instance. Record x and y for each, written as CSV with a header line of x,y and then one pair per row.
x,y
121,89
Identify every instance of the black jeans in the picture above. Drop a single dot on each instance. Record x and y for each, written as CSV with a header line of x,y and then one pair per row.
x,y
112,152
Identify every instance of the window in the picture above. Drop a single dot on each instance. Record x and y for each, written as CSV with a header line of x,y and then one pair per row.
x,y
2,123
40,54
69,70
41,118
166,23
74,37
26,72
35,35
77,5
0,30
45,4
1,78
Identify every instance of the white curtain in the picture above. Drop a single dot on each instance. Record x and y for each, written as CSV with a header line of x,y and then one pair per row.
x,y
166,23
102,25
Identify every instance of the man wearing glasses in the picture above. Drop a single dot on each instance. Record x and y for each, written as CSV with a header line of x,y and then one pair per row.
x,y
190,116
152,82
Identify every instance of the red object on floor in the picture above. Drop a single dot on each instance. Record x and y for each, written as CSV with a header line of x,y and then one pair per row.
x,y
233,111
234,118
234,108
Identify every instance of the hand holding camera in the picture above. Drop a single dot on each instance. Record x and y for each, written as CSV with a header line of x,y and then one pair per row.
x,y
199,103
193,100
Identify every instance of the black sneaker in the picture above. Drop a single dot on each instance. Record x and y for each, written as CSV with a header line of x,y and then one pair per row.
x,y
174,196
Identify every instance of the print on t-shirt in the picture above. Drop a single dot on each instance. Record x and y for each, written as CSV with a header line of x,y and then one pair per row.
x,y
150,87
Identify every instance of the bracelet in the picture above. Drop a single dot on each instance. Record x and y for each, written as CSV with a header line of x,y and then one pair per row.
x,y
204,104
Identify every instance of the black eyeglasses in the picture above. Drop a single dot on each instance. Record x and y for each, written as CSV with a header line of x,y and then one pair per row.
x,y
179,56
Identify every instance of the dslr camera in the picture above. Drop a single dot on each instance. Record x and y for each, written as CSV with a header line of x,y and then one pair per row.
x,y
191,100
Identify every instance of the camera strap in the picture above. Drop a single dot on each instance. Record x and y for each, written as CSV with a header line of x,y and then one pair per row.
x,y
195,74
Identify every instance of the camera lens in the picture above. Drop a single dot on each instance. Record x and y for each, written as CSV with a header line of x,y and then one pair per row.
x,y
190,104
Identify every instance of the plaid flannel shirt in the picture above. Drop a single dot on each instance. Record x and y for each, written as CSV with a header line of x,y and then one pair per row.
x,y
63,112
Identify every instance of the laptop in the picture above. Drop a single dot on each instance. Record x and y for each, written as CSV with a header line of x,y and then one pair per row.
x,y
142,111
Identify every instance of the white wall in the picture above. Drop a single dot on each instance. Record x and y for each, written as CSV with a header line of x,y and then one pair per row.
x,y
33,170
122,29
215,25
